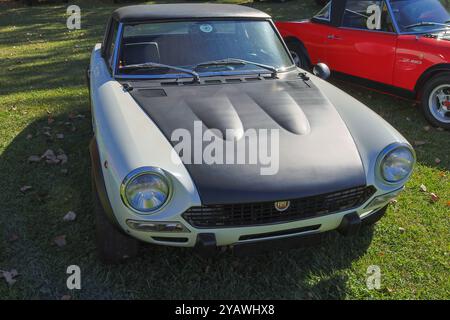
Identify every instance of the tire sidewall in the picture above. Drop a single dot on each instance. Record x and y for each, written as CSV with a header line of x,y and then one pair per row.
x,y
113,245
425,98
301,54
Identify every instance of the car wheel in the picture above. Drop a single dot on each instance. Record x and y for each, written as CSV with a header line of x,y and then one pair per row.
x,y
436,100
375,217
113,246
299,55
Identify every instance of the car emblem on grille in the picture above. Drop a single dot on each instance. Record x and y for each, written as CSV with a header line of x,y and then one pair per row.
x,y
282,205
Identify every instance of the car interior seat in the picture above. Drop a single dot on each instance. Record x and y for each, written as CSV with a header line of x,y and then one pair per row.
x,y
141,52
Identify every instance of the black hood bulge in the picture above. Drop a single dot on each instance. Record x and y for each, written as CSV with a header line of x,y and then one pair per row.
x,y
316,151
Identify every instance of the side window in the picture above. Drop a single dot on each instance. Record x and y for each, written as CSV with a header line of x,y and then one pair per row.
x,y
325,13
367,15
111,45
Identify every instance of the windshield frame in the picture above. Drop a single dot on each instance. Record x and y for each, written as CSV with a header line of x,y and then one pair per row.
x,y
256,70
399,30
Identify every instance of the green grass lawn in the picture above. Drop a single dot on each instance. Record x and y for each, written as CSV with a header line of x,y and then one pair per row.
x,y
42,85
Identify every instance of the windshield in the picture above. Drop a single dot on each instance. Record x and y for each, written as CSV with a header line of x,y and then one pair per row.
x,y
419,15
188,44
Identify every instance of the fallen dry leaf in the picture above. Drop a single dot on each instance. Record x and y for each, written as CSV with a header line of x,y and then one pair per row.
x,y
52,161
34,159
49,154
423,188
60,241
50,157
434,197
9,276
25,188
448,203
70,216
14,273
419,143
62,158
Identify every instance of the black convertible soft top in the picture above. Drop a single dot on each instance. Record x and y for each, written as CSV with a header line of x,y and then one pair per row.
x,y
141,13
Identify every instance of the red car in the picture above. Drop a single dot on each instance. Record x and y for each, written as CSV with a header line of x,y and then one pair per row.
x,y
397,46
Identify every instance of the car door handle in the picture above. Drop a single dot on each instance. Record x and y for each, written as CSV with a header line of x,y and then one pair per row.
x,y
334,37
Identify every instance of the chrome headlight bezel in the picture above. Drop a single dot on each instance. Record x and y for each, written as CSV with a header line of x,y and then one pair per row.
x,y
158,172
382,156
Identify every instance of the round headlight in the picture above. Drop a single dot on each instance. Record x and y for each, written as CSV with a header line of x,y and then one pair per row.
x,y
146,189
397,164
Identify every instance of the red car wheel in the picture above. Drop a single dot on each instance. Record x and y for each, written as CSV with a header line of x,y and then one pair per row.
x,y
299,54
436,100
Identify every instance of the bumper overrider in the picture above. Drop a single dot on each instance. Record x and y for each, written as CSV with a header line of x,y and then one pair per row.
x,y
281,224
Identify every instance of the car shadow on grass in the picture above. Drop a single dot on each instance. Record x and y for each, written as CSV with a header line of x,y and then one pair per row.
x,y
35,216
309,273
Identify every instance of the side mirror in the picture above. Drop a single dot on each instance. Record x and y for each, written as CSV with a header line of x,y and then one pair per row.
x,y
322,71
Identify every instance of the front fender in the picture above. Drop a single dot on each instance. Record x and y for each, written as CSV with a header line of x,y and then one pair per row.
x,y
128,139
370,132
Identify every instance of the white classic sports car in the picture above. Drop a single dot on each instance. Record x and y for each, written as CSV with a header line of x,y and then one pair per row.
x,y
174,86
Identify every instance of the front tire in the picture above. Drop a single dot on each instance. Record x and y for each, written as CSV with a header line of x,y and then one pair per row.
x,y
435,100
299,55
113,246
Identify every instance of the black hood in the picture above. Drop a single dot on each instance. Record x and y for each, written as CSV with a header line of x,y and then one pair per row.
x,y
316,152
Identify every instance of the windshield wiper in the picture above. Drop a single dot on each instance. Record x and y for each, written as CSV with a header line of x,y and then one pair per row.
x,y
426,23
154,65
233,61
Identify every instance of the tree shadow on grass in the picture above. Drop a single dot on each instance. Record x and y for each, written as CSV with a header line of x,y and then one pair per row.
x,y
36,216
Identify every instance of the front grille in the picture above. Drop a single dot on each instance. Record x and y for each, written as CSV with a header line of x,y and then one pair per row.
x,y
251,214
